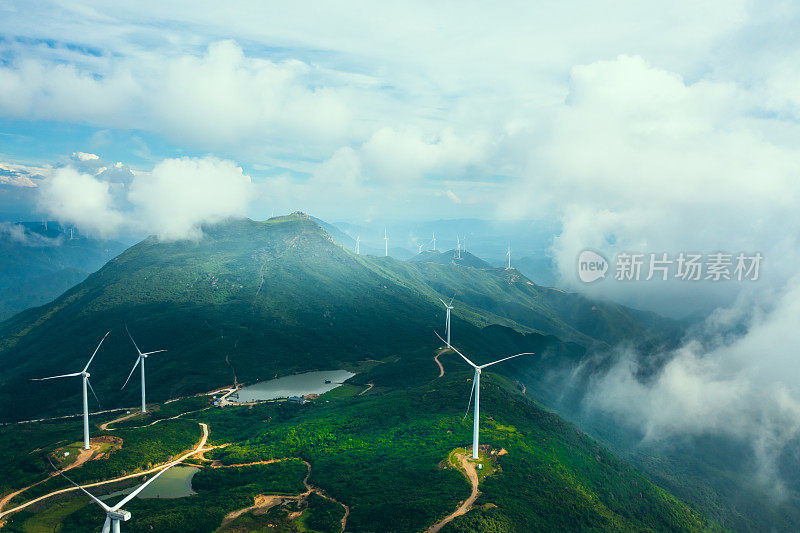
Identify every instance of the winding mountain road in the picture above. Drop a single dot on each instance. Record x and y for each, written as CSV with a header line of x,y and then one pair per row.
x,y
436,358
265,501
153,470
472,475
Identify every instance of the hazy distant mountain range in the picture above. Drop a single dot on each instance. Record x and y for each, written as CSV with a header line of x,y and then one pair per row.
x,y
37,264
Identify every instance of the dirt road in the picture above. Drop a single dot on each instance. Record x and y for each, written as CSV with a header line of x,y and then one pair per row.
x,y
83,456
436,358
153,470
265,501
104,425
472,475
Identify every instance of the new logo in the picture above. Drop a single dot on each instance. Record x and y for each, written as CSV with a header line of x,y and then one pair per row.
x,y
591,266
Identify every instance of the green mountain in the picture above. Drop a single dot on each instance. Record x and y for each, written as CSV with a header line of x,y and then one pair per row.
x,y
252,300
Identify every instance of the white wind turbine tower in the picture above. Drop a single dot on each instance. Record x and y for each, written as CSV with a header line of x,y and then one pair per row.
x,y
508,253
140,362
434,242
115,515
458,239
358,242
447,306
476,390
85,379
386,241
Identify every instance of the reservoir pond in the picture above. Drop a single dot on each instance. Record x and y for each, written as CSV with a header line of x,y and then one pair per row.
x,y
317,382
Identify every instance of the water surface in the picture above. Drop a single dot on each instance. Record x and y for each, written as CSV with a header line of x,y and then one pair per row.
x,y
296,385
174,483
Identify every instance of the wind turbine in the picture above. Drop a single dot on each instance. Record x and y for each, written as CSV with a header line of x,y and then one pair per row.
x,y
476,390
458,239
508,253
447,306
115,515
386,241
358,241
420,248
139,361
85,379
434,242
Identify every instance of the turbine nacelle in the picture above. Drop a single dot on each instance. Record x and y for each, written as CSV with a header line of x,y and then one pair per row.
x,y
119,514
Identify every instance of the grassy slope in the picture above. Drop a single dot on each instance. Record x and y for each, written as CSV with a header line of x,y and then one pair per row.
x,y
259,299
384,456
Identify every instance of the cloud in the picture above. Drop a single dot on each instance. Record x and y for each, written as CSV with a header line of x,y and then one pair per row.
x,y
401,156
20,175
83,156
82,200
219,99
746,387
637,159
172,201
181,194
17,233
453,197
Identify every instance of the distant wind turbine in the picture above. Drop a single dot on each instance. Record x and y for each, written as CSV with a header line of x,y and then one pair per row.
x,y
447,306
140,362
476,390
386,241
509,256
434,242
358,242
420,248
85,379
458,239
115,515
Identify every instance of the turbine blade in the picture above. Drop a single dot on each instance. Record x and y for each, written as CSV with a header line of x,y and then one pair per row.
x,y
95,352
133,341
471,393
141,487
93,394
56,377
138,360
505,359
459,353
443,302
451,300
151,353
99,502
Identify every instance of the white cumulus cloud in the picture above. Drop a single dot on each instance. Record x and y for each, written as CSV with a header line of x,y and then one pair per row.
x,y
172,201
181,194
